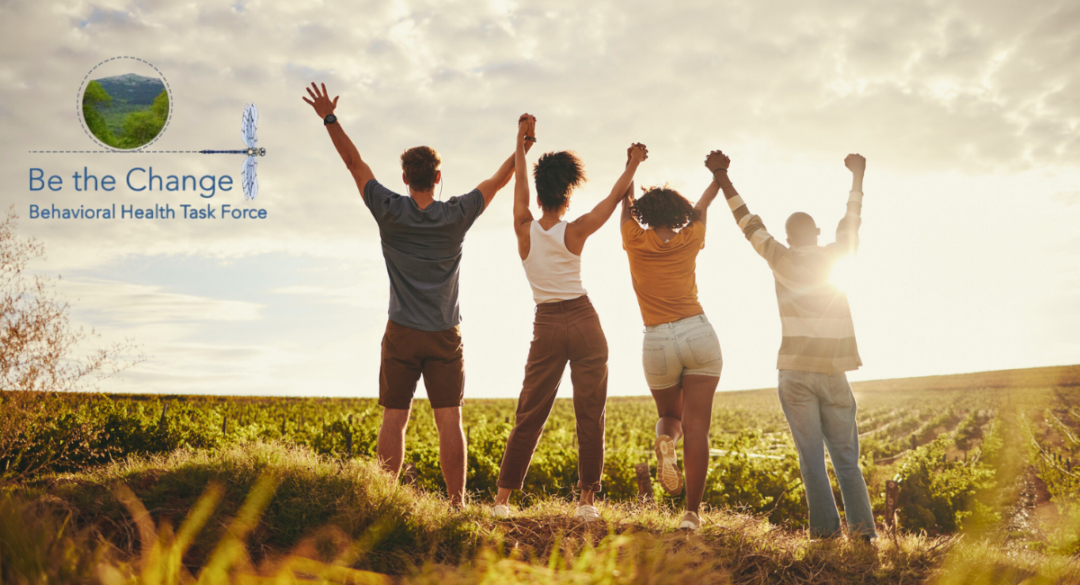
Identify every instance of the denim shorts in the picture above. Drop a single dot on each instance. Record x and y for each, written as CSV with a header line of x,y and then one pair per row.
x,y
687,347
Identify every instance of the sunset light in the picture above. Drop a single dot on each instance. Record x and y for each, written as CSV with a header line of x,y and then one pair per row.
x,y
453,292
844,275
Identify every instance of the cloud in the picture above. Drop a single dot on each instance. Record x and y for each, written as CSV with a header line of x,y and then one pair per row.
x,y
360,295
135,304
921,87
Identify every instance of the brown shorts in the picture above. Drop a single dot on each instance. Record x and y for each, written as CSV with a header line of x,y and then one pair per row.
x,y
407,353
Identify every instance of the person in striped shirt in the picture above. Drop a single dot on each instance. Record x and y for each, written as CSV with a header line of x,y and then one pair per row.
x,y
818,349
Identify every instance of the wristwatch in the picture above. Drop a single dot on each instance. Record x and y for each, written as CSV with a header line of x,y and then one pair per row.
x,y
329,120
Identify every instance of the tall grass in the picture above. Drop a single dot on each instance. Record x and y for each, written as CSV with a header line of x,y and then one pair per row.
x,y
268,513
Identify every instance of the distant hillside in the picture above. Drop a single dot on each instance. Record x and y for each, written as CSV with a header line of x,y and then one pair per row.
x,y
132,89
1025,378
1061,376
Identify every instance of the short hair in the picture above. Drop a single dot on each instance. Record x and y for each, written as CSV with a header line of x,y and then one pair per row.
x,y
799,224
663,207
421,165
557,174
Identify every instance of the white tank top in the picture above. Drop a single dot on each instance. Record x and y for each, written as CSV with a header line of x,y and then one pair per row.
x,y
553,271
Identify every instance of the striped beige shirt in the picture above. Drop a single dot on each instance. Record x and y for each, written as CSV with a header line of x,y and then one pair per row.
x,y
818,332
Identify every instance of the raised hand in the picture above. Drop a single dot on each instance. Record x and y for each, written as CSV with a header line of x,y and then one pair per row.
x,y
322,104
527,127
717,160
636,153
526,130
856,163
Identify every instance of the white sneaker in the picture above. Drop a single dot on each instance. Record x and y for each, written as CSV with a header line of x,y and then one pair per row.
x,y
690,521
587,513
667,466
501,511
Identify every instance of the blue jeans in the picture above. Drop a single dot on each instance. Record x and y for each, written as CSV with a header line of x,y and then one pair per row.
x,y
820,408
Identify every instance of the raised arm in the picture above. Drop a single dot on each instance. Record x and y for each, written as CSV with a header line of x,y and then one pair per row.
x,y
526,134
324,107
706,199
752,227
584,226
523,218
703,203
847,233
489,187
627,204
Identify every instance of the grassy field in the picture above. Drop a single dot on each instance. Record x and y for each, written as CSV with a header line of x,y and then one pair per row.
x,y
275,490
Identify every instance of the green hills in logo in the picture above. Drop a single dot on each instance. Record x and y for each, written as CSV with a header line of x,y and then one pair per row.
x,y
125,111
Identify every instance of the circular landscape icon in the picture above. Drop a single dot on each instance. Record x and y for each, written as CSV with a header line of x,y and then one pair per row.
x,y
126,110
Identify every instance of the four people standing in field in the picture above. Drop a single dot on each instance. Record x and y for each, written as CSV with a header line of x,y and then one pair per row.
x,y
662,234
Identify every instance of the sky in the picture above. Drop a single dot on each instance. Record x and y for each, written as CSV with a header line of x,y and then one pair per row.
x,y
968,114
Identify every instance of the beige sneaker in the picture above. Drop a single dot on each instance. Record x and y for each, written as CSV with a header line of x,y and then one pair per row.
x,y
587,513
500,511
690,521
667,466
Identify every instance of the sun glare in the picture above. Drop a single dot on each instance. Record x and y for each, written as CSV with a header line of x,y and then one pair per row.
x,y
843,273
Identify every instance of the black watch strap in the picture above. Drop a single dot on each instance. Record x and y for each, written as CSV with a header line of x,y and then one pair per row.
x,y
330,119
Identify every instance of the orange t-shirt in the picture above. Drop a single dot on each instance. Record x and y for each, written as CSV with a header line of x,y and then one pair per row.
x,y
663,272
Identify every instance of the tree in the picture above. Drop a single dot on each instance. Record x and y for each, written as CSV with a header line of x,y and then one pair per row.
x,y
160,107
43,381
94,98
142,126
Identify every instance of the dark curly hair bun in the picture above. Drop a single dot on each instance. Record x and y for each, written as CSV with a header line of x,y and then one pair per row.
x,y
557,174
663,207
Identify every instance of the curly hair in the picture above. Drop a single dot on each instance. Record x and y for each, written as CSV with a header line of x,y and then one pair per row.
x,y
420,164
663,207
557,174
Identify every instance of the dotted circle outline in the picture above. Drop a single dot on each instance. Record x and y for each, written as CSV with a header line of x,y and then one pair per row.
x,y
78,113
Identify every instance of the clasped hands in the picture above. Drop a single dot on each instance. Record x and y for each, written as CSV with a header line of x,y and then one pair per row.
x,y
717,160
527,129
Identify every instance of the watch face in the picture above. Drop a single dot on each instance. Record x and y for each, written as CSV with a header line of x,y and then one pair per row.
x,y
330,119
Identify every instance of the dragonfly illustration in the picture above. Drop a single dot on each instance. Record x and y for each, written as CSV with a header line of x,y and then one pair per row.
x,y
247,170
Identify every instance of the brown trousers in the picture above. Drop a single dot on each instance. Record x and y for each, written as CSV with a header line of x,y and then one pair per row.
x,y
562,332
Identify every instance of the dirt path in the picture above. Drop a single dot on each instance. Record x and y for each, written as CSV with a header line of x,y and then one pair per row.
x,y
1024,522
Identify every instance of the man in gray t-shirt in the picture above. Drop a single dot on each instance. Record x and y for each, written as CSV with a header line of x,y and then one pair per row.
x,y
421,242
422,248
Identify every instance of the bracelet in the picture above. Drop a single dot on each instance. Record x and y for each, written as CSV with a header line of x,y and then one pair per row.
x,y
719,169
530,138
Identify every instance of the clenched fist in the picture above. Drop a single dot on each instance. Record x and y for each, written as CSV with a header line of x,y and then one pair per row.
x,y
856,163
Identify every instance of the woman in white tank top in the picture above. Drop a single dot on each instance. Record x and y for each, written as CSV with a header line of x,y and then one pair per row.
x,y
566,328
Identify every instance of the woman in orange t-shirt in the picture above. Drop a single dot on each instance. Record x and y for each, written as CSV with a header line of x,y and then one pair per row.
x,y
681,353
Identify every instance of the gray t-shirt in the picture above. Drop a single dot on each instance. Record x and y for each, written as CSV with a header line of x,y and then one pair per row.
x,y
422,248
